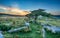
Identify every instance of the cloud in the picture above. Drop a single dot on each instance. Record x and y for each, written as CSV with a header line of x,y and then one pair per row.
x,y
56,13
14,11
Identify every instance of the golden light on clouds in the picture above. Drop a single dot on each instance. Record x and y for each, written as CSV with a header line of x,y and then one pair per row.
x,y
13,11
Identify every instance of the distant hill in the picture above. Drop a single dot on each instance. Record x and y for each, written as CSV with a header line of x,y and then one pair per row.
x,y
2,14
56,16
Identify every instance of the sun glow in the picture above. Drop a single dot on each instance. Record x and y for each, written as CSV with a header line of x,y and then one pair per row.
x,y
14,11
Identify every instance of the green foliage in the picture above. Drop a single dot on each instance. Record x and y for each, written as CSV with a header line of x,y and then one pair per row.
x,y
4,27
35,13
35,29
40,12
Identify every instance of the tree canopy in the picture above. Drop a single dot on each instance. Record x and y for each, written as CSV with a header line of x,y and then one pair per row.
x,y
36,13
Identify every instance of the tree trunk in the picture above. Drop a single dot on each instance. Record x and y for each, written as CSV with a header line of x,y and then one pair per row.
x,y
35,19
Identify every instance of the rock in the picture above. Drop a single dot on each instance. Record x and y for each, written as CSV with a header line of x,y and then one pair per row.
x,y
27,24
1,35
40,17
43,33
17,29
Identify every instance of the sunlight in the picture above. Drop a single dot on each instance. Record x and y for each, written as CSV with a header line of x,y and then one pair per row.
x,y
14,11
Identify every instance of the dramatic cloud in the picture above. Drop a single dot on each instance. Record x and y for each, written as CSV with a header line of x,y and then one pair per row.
x,y
14,11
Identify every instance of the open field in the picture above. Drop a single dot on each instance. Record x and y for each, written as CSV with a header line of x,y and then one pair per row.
x,y
35,28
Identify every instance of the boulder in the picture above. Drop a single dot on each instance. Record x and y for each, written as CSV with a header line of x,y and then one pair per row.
x,y
17,29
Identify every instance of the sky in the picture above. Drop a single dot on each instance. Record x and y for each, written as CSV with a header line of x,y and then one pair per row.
x,y
51,6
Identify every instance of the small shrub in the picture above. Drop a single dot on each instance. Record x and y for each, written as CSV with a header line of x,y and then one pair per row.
x,y
4,27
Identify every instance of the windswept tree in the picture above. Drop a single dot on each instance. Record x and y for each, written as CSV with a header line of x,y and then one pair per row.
x,y
36,13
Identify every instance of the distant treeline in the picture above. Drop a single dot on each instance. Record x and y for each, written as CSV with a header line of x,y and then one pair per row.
x,y
56,16
2,14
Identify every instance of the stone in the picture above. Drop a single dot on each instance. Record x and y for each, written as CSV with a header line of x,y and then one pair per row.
x,y
27,24
1,35
16,29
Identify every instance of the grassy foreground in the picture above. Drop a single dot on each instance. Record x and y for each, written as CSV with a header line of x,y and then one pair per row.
x,y
35,29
